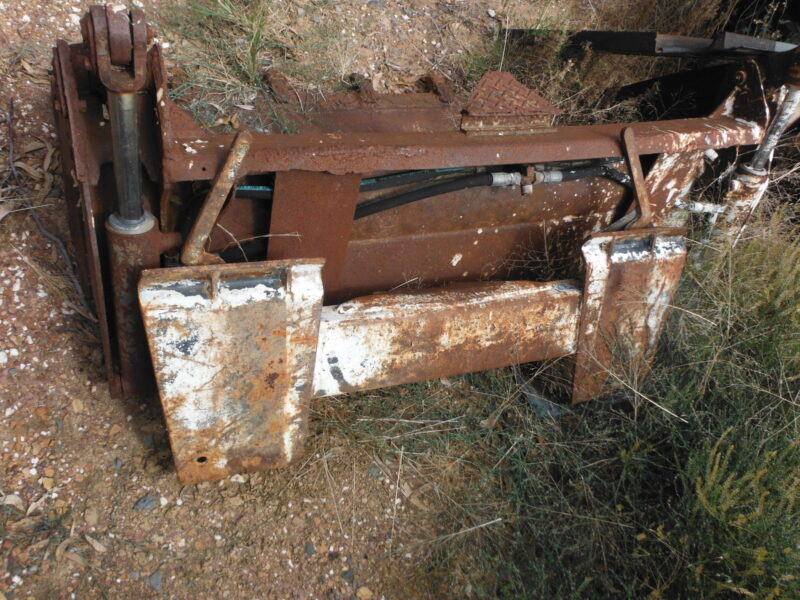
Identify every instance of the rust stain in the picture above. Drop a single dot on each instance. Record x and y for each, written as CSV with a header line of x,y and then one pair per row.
x,y
210,335
631,278
388,339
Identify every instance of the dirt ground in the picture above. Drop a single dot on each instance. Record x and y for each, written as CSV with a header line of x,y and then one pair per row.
x,y
90,501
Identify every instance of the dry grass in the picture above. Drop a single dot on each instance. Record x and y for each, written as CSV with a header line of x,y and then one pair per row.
x,y
620,499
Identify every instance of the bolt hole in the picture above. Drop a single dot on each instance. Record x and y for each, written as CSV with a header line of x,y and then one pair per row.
x,y
201,459
204,169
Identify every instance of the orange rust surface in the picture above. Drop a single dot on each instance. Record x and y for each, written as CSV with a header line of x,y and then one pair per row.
x,y
388,339
233,349
370,152
631,278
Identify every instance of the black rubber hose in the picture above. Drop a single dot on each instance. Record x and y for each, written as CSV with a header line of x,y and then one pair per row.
x,y
370,207
404,178
619,176
370,184
594,171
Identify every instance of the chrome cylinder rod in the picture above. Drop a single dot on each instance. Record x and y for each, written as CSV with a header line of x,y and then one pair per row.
x,y
127,169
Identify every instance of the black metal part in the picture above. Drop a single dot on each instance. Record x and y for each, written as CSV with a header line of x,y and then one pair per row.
x,y
370,207
406,177
557,176
650,43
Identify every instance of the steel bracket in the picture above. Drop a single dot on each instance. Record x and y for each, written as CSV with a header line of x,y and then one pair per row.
x,y
631,278
233,347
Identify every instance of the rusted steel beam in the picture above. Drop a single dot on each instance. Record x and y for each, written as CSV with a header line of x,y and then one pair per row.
x,y
428,259
388,339
631,278
194,252
192,158
640,188
669,183
80,170
233,347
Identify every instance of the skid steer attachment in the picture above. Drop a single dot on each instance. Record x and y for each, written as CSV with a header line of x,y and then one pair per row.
x,y
387,239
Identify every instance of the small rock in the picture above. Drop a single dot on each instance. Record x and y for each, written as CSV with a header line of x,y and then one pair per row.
x,y
147,440
155,580
364,593
147,502
117,463
310,549
47,483
375,472
90,516
333,555
349,576
234,501
377,3
115,429
491,12
318,19
134,575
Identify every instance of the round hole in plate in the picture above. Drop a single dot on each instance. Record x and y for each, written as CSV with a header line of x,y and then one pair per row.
x,y
201,459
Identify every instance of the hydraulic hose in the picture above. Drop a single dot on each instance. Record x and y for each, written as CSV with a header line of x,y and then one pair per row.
x,y
453,184
557,176
370,207
397,179
370,184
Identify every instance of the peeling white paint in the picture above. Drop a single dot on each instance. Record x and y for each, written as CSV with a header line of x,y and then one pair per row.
x,y
201,353
636,325
387,339
304,294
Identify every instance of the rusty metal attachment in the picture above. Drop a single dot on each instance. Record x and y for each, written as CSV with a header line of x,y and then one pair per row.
x,y
639,186
387,239
234,348
194,252
631,278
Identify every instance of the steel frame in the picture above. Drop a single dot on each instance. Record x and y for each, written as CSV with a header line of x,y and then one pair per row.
x,y
332,304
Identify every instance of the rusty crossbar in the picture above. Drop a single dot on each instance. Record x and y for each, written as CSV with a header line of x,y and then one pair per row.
x,y
390,239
